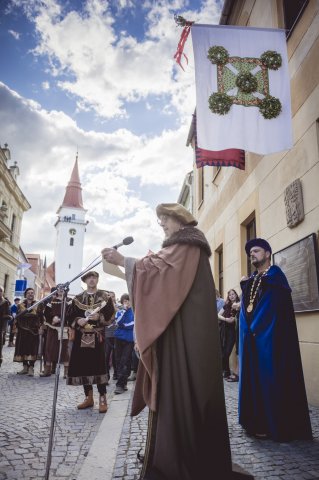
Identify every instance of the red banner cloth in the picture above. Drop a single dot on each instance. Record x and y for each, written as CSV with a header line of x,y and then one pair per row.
x,y
232,157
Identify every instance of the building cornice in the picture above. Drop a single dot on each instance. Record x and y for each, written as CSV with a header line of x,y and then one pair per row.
x,y
13,187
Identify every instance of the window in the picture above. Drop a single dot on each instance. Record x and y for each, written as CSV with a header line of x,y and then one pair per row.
x,y
71,241
292,13
200,186
73,216
250,233
216,171
220,262
13,224
5,283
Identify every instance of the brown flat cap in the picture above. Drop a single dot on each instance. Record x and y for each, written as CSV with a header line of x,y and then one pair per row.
x,y
176,210
89,274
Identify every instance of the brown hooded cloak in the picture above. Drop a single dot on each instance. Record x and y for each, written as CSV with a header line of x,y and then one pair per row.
x,y
180,375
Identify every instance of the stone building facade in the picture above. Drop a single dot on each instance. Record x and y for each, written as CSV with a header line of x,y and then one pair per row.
x,y
276,196
13,204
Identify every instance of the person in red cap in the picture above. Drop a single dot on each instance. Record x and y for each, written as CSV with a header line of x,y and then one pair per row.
x,y
180,373
272,396
88,315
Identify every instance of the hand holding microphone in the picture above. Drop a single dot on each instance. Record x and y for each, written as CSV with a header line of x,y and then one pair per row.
x,y
111,255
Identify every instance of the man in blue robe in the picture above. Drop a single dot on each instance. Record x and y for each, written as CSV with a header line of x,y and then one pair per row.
x,y
272,396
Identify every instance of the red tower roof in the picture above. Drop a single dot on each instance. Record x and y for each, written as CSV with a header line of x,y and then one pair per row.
x,y
73,192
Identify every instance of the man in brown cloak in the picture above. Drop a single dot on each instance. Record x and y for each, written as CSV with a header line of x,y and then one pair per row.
x,y
180,375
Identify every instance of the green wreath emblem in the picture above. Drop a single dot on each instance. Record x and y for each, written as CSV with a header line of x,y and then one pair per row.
x,y
218,55
246,82
271,59
220,103
270,107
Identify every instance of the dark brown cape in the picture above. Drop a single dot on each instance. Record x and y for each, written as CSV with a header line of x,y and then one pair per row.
x,y
180,376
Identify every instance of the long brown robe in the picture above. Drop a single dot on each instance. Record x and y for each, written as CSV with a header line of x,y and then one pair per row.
x,y
180,374
52,345
28,324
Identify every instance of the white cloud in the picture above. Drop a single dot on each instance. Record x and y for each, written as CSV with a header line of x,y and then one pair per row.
x,y
110,164
123,175
15,35
110,69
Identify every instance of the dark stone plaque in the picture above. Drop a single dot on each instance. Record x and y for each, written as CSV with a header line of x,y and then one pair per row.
x,y
299,262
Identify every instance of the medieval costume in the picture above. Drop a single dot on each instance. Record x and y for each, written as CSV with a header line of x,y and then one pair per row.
x,y
180,374
87,361
272,397
27,341
52,315
5,316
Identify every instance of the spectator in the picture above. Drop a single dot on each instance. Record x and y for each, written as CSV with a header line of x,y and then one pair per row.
x,y
4,318
220,302
227,329
13,310
110,344
124,343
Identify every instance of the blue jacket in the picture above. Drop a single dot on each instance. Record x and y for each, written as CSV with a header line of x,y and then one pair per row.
x,y
125,325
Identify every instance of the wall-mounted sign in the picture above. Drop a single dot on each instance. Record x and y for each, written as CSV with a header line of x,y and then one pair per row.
x,y
299,262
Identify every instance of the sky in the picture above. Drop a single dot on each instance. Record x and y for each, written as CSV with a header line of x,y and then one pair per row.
x,y
98,77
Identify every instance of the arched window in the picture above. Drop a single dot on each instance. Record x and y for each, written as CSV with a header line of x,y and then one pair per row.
x,y
71,241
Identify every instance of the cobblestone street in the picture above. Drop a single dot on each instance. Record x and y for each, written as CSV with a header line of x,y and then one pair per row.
x,y
26,404
25,421
264,459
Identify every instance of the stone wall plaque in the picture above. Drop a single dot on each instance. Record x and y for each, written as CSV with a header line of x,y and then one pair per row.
x,y
299,262
294,204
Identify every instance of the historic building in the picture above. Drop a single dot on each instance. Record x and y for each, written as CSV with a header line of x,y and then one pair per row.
x,y
35,276
276,196
13,204
70,227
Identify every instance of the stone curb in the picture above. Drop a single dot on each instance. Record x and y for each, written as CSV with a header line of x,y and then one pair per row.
x,y
101,457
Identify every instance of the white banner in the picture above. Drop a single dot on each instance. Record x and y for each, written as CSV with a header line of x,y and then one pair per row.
x,y
243,89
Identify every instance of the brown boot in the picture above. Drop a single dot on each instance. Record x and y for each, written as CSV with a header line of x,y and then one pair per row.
x,y
88,402
46,372
103,404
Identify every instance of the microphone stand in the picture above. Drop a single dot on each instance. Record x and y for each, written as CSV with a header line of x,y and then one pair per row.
x,y
65,287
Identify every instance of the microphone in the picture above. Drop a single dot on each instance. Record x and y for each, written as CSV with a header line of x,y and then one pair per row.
x,y
125,241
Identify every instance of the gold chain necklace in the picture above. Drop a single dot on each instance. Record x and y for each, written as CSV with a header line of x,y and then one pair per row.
x,y
253,293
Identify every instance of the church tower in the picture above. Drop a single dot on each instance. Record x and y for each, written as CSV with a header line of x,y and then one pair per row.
x,y
71,227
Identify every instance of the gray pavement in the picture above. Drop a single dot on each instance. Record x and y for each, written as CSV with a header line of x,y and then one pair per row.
x,y
264,459
25,416
104,447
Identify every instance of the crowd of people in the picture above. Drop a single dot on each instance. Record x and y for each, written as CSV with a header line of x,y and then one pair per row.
x,y
184,347
97,335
